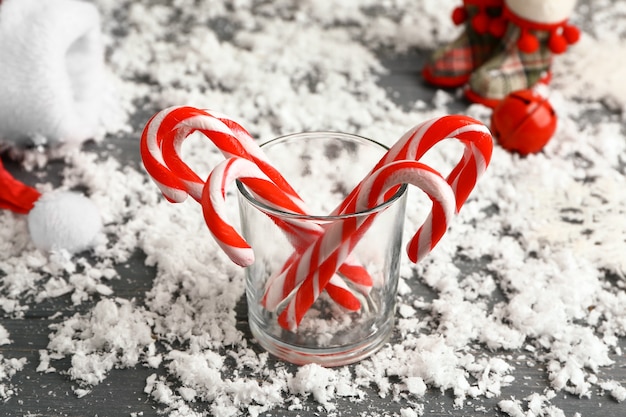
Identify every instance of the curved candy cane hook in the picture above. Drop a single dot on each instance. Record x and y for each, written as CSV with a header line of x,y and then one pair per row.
x,y
341,238
411,147
228,238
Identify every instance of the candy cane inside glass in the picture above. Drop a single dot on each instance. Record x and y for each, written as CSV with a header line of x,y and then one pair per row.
x,y
341,238
266,191
324,167
411,146
160,147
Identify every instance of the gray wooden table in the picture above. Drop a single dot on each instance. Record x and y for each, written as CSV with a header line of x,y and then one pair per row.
x,y
51,394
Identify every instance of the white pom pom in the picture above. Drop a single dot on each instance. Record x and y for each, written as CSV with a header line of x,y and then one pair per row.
x,y
64,220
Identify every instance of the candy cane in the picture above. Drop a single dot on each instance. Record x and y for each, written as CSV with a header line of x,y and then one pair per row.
x,y
420,139
344,235
160,147
161,144
162,140
214,204
214,209
411,146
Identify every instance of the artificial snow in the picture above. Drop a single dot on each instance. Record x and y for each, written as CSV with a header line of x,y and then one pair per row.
x,y
8,368
533,263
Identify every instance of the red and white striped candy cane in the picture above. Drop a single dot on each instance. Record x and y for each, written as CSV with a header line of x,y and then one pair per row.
x,y
160,147
411,146
420,139
231,242
161,144
214,204
343,236
165,133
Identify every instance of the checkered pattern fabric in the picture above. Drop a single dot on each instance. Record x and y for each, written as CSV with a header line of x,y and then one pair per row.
x,y
510,69
451,65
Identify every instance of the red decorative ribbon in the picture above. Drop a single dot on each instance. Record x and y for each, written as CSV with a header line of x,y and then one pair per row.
x,y
482,22
562,34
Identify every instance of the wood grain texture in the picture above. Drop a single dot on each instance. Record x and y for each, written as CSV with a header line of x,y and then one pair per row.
x,y
121,394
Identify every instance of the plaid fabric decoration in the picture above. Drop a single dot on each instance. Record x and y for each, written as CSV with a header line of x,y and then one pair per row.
x,y
451,65
510,69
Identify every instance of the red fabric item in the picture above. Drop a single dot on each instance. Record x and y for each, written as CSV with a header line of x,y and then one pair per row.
x,y
562,34
459,15
484,3
527,43
455,68
444,82
571,34
497,27
492,103
452,65
15,195
481,22
557,43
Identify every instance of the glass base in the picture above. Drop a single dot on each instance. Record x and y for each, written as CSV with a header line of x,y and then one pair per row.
x,y
327,357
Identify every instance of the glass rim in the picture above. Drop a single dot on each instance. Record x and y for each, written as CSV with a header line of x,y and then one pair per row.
x,y
244,192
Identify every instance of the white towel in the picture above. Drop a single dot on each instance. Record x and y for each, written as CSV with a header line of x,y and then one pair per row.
x,y
51,71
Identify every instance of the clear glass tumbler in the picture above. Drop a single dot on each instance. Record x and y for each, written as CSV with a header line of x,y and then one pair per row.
x,y
323,167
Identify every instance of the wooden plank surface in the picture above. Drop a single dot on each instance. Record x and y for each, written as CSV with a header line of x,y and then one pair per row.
x,y
121,394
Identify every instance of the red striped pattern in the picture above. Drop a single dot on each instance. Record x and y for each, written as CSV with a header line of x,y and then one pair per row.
x,y
411,147
232,243
319,266
160,147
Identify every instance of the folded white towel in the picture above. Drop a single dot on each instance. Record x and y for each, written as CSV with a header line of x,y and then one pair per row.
x,y
51,71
